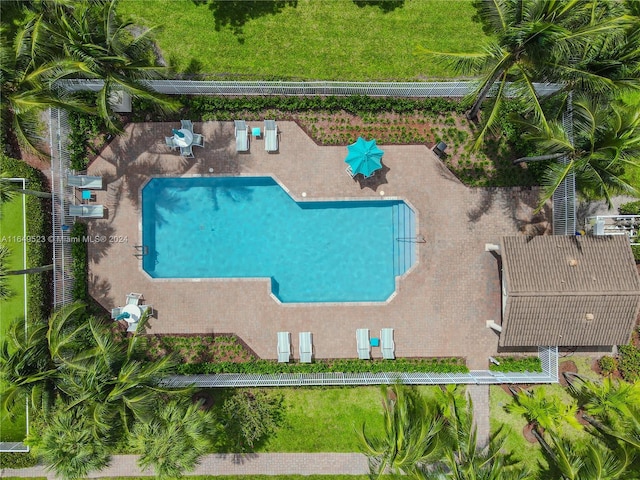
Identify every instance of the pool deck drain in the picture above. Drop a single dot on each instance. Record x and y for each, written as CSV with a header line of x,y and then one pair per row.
x,y
440,308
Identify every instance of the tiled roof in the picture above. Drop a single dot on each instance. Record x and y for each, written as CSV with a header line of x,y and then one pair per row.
x,y
563,290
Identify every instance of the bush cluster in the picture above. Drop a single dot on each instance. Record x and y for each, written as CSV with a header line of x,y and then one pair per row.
x,y
79,267
83,127
38,253
517,364
629,362
223,108
265,367
630,208
17,460
608,365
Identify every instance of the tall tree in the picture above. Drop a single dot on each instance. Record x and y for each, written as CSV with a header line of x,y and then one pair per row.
x,y
412,424
174,440
103,46
606,139
536,41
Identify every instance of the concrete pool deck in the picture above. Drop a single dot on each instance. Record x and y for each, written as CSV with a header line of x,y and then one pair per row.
x,y
440,307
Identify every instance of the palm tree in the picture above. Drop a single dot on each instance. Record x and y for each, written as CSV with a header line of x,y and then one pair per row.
x,y
606,138
68,445
412,424
462,457
543,411
102,46
535,40
173,441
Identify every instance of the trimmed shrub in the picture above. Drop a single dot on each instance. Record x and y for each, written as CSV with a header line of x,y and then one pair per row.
x,y
629,362
631,208
427,365
79,267
38,226
517,364
17,460
608,365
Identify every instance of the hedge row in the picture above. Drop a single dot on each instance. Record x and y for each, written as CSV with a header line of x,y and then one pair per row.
x,y
517,364
429,365
38,253
632,208
79,267
83,127
17,460
629,362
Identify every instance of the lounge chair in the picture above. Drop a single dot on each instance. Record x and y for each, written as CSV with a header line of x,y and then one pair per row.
x,y
146,308
84,181
171,142
198,140
270,136
349,171
187,125
242,136
115,312
364,347
306,347
387,345
133,298
133,327
284,347
86,211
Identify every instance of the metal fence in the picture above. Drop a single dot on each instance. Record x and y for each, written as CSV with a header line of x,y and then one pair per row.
x,y
564,198
548,357
373,89
60,220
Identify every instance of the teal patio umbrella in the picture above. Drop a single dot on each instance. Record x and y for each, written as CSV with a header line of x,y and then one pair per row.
x,y
364,157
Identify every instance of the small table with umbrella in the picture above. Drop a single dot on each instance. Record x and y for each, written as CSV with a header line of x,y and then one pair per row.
x,y
183,137
133,312
364,157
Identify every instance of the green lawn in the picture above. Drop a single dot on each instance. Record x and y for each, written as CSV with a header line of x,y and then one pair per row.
x,y
309,39
324,419
11,224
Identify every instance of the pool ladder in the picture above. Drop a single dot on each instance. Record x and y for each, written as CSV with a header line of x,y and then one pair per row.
x,y
416,239
141,250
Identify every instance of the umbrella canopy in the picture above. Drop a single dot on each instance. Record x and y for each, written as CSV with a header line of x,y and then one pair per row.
x,y
364,157
123,316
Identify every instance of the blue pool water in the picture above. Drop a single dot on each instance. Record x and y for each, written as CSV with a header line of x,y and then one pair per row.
x,y
228,227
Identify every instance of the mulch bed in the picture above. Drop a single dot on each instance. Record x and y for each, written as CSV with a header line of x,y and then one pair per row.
x,y
567,366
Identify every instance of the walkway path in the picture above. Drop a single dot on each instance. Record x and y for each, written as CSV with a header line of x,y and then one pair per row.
x,y
480,398
250,464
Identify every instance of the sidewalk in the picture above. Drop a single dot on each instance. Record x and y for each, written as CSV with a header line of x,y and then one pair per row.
x,y
230,464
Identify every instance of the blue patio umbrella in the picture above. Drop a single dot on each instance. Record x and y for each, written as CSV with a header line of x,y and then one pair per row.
x,y
177,132
364,157
123,316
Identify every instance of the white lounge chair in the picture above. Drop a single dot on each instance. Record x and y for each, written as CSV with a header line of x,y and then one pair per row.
x,y
387,345
306,347
364,346
133,327
270,136
84,181
284,347
242,136
86,211
115,312
187,125
187,152
133,298
146,308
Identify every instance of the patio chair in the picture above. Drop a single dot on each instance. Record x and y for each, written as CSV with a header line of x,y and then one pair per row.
x,y
284,347
349,171
187,125
115,312
146,308
242,136
440,148
198,140
187,152
134,298
84,181
270,136
306,347
171,142
364,347
133,327
387,345
86,211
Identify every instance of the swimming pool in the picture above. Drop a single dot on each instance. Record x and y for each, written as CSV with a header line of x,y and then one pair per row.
x,y
247,227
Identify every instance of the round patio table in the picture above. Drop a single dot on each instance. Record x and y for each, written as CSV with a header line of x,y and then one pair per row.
x,y
134,313
183,141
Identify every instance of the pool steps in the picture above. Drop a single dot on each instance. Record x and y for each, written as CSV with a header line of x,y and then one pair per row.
x,y
405,238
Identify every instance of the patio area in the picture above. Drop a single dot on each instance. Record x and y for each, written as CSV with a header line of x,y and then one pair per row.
x,y
441,305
